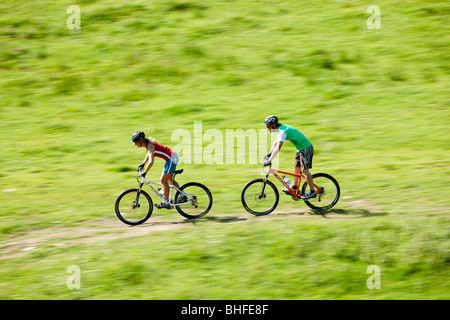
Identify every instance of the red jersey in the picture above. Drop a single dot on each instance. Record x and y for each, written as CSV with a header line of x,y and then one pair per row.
x,y
162,151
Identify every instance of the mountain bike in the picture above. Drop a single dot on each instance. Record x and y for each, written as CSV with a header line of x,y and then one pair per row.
x,y
135,206
261,197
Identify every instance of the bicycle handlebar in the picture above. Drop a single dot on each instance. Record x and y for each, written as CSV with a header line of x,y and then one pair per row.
x,y
139,173
264,167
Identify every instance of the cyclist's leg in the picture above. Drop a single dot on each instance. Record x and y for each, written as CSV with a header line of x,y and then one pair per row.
x,y
309,179
165,184
297,171
175,159
170,181
306,157
297,167
167,175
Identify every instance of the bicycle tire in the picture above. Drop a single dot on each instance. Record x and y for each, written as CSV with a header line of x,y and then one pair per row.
x,y
312,203
253,210
122,216
185,212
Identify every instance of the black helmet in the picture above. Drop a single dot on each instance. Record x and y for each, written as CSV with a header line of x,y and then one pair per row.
x,y
138,136
271,120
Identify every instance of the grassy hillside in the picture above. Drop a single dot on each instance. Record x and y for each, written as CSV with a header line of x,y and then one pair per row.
x,y
373,102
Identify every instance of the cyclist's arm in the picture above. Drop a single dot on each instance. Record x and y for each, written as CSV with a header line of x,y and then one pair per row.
x,y
276,147
150,157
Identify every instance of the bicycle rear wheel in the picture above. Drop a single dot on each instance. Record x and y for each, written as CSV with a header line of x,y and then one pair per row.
x,y
327,190
256,201
199,198
130,212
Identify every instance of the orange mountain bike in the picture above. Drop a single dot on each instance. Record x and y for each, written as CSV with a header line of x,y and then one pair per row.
x,y
261,197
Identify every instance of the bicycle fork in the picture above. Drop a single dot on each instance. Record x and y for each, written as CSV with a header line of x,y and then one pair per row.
x,y
136,201
262,195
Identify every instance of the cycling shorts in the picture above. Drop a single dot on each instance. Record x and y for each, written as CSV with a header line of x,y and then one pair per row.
x,y
171,164
304,158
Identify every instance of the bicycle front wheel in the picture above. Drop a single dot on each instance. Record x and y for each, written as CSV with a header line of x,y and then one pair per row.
x,y
197,200
327,190
132,210
259,197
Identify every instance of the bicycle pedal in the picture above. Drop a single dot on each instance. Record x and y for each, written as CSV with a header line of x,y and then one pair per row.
x,y
304,197
160,206
286,191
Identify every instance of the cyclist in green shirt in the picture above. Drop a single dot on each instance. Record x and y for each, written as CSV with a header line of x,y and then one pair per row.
x,y
305,151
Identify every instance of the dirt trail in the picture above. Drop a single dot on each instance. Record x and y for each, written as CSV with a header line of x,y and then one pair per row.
x,y
107,230
114,229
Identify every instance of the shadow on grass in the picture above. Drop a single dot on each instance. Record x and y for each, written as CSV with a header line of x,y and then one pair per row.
x,y
356,212
160,223
224,219
329,214
174,223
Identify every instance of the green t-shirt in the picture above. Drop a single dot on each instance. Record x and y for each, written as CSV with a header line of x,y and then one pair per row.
x,y
291,134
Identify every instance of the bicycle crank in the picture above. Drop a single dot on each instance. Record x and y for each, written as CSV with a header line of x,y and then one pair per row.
x,y
322,192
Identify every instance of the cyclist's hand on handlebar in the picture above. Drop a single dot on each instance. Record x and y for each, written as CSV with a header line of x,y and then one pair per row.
x,y
140,167
267,161
143,174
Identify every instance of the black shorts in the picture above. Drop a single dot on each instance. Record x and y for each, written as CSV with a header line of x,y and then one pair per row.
x,y
304,158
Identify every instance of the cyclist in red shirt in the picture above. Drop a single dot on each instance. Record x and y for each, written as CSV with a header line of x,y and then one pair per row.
x,y
156,149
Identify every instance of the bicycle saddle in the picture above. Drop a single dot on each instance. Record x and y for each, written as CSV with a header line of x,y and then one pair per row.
x,y
179,171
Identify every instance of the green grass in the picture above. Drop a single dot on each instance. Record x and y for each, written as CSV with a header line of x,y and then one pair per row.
x,y
373,102
320,259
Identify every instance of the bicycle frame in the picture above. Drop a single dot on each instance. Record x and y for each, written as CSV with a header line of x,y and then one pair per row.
x,y
149,183
299,176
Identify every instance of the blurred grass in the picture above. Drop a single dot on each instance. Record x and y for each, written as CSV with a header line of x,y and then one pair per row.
x,y
246,260
373,102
